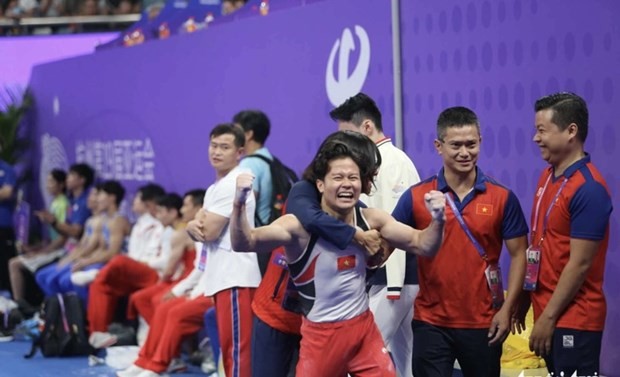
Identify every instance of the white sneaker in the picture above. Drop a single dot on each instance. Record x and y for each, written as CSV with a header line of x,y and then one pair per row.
x,y
82,278
132,371
101,340
148,373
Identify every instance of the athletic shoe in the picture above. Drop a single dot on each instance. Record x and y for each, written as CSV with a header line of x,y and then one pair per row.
x,y
82,278
99,340
132,371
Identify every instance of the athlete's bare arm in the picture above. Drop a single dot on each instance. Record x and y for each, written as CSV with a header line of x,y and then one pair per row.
x,y
285,231
421,242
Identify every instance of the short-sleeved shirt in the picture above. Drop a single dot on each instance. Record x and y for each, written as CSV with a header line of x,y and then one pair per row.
x,y
78,211
224,267
7,206
263,184
581,211
59,208
453,287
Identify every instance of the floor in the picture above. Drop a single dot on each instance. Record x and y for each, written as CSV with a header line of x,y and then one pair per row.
x,y
13,364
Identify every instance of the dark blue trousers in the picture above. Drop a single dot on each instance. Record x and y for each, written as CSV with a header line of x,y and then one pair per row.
x,y
274,353
435,349
574,351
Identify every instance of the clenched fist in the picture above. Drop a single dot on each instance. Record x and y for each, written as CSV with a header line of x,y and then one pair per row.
x,y
436,204
244,186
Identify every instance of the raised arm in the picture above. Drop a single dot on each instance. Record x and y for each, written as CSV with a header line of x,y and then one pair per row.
x,y
421,242
263,239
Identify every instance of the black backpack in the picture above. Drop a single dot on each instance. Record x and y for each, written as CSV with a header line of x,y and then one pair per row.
x,y
63,331
282,179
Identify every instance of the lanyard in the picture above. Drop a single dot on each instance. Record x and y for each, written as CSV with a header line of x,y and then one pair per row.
x,y
537,211
459,218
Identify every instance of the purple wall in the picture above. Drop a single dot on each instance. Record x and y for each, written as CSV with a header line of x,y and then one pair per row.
x,y
172,92
20,54
498,57
144,113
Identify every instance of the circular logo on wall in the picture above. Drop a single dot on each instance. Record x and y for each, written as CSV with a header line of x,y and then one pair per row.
x,y
53,156
342,86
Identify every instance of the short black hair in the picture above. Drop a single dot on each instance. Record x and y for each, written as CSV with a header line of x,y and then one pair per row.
x,y
357,109
457,116
568,108
59,176
197,196
255,121
171,201
343,144
85,171
113,188
230,129
151,192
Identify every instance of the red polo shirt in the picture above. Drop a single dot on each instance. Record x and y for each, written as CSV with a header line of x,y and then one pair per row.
x,y
453,287
581,211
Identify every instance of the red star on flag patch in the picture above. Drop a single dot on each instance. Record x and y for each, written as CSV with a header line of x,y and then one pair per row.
x,y
484,209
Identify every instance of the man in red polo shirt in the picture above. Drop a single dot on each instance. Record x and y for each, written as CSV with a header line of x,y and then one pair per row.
x,y
459,312
570,233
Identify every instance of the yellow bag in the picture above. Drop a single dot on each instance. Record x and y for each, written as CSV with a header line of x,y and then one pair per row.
x,y
516,350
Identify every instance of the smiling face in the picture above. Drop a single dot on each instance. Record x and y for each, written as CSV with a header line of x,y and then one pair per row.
x,y
341,187
554,143
459,148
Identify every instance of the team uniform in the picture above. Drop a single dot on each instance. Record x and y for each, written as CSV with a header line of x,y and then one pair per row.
x,y
55,279
395,285
144,301
577,204
277,331
176,318
125,274
453,310
232,278
339,335
77,213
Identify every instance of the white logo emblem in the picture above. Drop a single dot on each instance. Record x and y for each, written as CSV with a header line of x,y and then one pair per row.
x,y
568,341
345,86
53,156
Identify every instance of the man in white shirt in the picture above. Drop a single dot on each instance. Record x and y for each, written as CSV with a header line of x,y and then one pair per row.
x,y
221,276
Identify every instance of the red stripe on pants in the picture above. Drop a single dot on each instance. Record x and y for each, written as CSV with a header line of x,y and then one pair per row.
x,y
120,277
145,301
173,321
235,329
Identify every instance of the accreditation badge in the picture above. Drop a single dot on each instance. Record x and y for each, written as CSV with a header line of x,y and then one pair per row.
x,y
532,267
494,279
